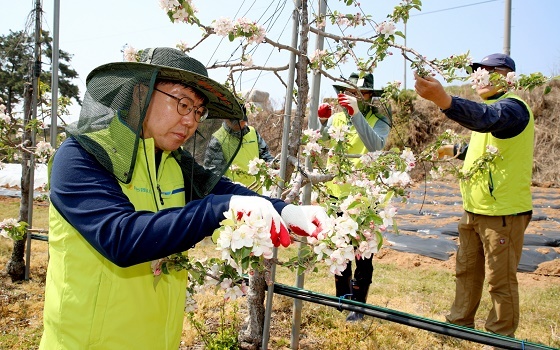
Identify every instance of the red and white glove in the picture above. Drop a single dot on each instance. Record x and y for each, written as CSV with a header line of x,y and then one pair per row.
x,y
324,111
348,102
305,220
257,205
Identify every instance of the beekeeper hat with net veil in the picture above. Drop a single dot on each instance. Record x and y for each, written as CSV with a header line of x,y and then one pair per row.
x,y
116,102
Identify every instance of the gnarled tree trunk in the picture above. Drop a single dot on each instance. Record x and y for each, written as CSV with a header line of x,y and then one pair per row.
x,y
250,337
16,264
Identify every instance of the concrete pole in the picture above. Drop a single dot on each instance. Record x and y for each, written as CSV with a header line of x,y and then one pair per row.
x,y
312,123
283,161
507,28
54,74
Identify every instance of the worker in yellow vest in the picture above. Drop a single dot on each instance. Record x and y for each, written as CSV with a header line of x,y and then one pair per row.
x,y
126,189
497,202
252,146
368,132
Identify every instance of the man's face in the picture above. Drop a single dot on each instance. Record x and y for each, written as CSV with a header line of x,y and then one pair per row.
x,y
163,123
235,126
353,92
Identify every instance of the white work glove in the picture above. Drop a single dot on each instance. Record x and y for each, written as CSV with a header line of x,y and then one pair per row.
x,y
305,220
260,206
348,102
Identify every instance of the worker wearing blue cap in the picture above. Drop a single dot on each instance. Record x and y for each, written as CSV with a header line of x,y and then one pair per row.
x,y
497,201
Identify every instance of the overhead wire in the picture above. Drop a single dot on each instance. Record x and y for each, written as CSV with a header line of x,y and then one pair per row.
x,y
271,22
222,39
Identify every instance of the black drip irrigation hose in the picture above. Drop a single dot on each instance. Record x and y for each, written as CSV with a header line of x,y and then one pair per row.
x,y
444,328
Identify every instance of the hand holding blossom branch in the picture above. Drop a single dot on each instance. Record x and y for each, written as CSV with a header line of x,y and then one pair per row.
x,y
244,238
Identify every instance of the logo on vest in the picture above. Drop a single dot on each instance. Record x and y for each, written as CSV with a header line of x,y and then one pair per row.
x,y
142,189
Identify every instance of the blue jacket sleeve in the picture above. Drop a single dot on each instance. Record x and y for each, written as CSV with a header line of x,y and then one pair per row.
x,y
91,200
505,118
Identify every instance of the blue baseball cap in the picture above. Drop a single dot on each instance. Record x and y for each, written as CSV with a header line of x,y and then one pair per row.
x,y
495,60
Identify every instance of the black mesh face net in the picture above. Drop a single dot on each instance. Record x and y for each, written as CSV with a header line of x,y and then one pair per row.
x,y
115,105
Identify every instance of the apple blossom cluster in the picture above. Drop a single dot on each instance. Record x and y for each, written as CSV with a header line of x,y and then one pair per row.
x,y
359,219
255,165
386,28
335,245
43,151
179,10
491,149
242,233
247,61
511,78
349,20
4,118
265,175
241,28
182,45
338,132
130,54
481,78
244,242
252,109
11,228
312,146
317,56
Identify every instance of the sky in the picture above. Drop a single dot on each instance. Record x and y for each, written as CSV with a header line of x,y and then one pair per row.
x,y
95,33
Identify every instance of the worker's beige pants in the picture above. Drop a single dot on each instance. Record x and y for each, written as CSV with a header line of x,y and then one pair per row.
x,y
491,246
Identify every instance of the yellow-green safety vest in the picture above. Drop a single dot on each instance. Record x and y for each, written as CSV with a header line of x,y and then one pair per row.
x,y
506,188
354,146
249,150
91,303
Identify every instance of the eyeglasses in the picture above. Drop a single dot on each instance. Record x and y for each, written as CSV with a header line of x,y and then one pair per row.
x,y
185,105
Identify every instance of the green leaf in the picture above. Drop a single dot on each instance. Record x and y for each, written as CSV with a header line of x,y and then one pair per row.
x,y
216,235
164,268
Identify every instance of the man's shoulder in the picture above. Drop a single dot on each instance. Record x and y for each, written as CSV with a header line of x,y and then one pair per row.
x,y
70,147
